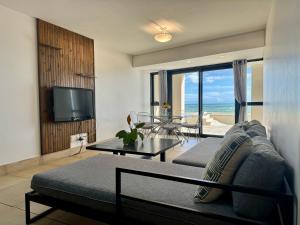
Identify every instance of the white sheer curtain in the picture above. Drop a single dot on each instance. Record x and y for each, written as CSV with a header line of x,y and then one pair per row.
x,y
240,86
163,88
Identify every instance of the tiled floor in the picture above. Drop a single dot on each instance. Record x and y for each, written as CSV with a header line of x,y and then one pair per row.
x,y
13,187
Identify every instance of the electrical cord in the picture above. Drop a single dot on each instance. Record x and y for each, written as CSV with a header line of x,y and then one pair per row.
x,y
81,146
79,127
81,139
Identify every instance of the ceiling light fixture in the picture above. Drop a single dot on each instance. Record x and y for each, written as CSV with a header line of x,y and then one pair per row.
x,y
163,36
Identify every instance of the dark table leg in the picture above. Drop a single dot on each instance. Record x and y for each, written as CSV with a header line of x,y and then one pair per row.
x,y
163,157
115,153
122,153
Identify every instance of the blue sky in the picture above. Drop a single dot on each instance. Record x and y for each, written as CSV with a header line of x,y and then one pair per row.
x,y
217,87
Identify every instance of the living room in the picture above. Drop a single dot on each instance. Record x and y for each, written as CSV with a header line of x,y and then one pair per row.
x,y
168,71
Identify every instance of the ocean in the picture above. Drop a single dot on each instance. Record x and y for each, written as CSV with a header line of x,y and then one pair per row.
x,y
227,108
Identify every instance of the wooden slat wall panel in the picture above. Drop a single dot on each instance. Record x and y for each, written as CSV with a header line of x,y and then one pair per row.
x,y
65,59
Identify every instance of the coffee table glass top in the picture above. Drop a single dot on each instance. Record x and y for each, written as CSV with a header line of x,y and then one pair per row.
x,y
150,146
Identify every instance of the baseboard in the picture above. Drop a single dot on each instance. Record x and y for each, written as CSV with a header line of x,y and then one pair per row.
x,y
35,161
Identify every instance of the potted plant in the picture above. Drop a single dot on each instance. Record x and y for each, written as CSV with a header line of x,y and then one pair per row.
x,y
130,137
165,107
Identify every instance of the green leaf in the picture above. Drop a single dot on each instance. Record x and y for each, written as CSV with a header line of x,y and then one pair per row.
x,y
134,134
141,135
121,134
126,140
139,125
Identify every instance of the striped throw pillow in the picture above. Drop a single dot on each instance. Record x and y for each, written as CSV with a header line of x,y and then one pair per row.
x,y
233,150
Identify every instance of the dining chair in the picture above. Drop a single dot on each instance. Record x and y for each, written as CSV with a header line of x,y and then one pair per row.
x,y
173,129
145,117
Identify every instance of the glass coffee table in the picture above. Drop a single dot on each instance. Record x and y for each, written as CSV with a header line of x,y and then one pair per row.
x,y
150,147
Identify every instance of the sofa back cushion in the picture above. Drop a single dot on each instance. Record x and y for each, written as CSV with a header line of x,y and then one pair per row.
x,y
263,169
255,128
238,127
221,168
252,128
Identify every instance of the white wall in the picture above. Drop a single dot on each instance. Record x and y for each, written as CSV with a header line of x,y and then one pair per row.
x,y
19,117
119,90
282,82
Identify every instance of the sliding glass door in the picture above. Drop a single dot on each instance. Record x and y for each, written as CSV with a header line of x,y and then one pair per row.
x,y
218,102
204,96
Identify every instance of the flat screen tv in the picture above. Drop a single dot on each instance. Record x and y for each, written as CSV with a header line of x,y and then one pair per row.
x,y
72,104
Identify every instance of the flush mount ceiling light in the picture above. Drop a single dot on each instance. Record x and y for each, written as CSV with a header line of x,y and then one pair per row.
x,y
163,36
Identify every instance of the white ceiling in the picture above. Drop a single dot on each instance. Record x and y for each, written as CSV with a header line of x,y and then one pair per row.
x,y
124,25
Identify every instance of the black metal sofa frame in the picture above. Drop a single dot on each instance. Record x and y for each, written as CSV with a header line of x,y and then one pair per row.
x,y
284,201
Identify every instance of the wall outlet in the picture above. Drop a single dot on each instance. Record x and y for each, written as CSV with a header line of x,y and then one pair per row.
x,y
77,140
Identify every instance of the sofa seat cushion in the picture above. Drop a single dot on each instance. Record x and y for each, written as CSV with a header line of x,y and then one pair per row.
x,y
263,169
200,154
222,167
91,182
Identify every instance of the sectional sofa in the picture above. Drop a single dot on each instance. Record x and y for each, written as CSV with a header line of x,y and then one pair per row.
x,y
124,190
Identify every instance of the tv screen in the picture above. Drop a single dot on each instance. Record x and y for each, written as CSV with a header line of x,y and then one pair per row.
x,y
73,104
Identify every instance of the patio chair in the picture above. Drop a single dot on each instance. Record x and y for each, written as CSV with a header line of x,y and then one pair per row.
x,y
193,127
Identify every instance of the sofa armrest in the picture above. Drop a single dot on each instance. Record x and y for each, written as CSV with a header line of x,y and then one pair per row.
x,y
278,196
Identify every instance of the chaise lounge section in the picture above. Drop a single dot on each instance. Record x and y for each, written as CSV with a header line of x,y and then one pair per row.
x,y
91,183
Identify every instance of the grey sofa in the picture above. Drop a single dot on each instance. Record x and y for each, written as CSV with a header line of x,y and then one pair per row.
x,y
89,188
